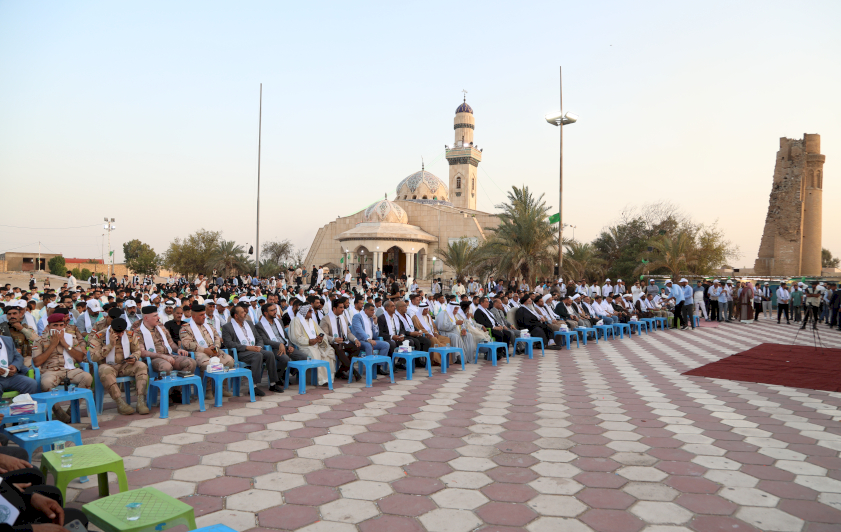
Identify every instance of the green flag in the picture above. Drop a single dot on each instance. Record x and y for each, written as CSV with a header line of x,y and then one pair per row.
x,y
341,260
555,218
110,253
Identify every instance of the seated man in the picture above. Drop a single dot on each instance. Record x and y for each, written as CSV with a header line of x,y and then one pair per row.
x,y
568,312
603,312
308,336
200,338
391,328
12,369
157,344
364,328
271,332
416,337
344,343
56,353
241,335
484,317
527,318
117,351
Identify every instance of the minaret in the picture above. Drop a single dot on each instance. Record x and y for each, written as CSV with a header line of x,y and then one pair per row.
x,y
464,159
810,252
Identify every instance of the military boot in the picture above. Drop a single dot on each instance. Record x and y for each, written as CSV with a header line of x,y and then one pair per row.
x,y
60,414
225,391
123,408
142,409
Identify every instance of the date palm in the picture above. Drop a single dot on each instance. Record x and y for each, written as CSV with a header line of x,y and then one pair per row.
x,y
581,261
229,258
462,256
673,253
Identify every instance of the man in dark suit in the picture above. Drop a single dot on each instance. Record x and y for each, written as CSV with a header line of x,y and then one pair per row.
x,y
391,329
484,317
275,337
568,312
527,319
241,335
416,338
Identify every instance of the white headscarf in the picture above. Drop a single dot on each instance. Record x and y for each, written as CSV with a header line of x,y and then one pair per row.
x,y
308,324
149,342
111,357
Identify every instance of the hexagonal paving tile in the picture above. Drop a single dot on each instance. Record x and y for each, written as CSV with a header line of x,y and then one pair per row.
x,y
348,511
253,500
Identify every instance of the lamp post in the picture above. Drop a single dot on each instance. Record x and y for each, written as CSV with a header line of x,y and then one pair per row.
x,y
561,119
109,226
573,229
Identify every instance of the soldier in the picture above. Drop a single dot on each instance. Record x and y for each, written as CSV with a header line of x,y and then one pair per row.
x,y
156,343
22,334
200,338
56,352
117,351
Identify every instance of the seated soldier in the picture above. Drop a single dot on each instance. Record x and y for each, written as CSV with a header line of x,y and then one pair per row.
x,y
156,343
200,338
117,351
56,353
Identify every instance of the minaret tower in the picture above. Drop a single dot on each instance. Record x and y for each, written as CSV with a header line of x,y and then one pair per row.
x,y
812,194
464,159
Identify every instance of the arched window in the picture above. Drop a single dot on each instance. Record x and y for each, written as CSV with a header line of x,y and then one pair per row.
x,y
473,183
458,182
424,197
414,197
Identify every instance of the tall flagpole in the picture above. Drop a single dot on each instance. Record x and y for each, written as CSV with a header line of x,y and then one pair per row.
x,y
259,143
561,179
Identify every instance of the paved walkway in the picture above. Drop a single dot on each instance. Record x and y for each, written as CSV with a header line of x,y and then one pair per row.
x,y
609,438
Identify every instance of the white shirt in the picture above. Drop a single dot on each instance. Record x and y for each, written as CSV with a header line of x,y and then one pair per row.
x,y
783,295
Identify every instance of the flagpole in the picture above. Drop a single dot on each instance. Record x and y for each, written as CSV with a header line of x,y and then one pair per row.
x,y
259,144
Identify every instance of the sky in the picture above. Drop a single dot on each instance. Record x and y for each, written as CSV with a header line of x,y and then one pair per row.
x,y
147,112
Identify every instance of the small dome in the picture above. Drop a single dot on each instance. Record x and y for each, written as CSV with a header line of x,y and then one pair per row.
x,y
464,108
422,185
385,211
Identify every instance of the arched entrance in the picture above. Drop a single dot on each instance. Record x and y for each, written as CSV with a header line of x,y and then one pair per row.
x,y
394,262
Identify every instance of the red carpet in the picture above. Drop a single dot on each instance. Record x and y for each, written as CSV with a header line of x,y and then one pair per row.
x,y
784,365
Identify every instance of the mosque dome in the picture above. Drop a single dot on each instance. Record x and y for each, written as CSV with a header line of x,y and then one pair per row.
x,y
422,185
464,108
385,211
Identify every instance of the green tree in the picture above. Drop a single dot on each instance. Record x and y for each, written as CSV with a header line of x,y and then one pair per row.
x,y
581,261
141,258
672,254
229,258
827,260
56,265
276,251
462,256
86,274
525,242
191,255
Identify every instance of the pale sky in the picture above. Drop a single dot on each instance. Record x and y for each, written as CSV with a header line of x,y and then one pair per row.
x,y
147,111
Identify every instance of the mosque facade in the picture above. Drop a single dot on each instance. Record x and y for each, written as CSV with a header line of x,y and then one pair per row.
x,y
404,234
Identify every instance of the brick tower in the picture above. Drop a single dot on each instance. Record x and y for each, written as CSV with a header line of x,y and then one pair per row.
x,y
464,159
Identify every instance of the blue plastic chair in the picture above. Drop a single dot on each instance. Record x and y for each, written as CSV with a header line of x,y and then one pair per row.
x,y
638,326
650,323
48,399
664,322
410,361
99,394
368,363
585,330
49,432
39,415
492,348
621,328
445,355
163,387
302,366
530,342
604,329
567,337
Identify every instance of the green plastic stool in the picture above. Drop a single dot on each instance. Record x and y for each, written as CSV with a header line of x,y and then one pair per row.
x,y
93,459
158,511
31,375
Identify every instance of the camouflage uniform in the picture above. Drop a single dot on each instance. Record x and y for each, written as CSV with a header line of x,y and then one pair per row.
x,y
52,369
108,373
159,364
190,343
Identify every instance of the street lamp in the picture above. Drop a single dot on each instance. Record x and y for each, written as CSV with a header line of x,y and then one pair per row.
x,y
561,119
109,226
573,229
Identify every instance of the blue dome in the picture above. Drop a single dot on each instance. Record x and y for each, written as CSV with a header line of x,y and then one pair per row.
x,y
464,108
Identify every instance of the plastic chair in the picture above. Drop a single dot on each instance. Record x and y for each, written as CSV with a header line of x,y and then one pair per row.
x,y
99,394
664,322
74,397
158,512
585,330
492,348
49,432
604,329
650,323
621,328
410,361
638,326
94,459
445,355
39,415
368,362
530,342
163,387
567,337
302,366
31,374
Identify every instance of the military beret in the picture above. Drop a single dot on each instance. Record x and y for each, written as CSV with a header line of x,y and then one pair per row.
x,y
149,309
115,313
118,325
197,307
56,317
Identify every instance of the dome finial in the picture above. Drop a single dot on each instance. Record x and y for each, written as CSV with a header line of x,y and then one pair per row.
x,y
386,195
465,95
422,168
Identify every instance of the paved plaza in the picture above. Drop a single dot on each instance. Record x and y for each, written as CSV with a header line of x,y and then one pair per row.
x,y
608,437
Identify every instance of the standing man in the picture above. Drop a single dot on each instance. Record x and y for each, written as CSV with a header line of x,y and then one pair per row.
x,y
813,304
766,300
71,281
698,299
688,303
783,300
677,295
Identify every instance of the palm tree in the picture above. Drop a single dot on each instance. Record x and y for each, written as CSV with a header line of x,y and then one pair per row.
x,y
461,256
582,261
673,253
228,257
524,243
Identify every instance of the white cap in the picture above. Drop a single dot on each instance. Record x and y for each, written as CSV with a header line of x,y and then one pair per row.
x,y
683,280
131,304
221,302
618,280
245,299
52,305
729,281
767,283
93,304
606,280
668,281
716,281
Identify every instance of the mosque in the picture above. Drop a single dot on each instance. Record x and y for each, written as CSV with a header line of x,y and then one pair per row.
x,y
404,235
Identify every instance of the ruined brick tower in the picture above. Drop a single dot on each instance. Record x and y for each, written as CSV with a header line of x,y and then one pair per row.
x,y
791,241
